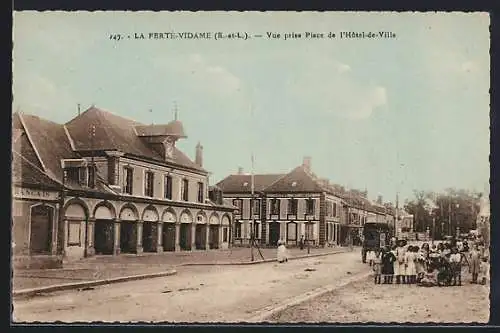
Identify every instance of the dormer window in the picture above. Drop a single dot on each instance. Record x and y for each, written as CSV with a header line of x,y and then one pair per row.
x,y
76,172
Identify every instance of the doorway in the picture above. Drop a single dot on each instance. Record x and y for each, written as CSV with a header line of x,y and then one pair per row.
x,y
213,237
149,236
274,233
185,237
168,237
200,237
104,237
128,237
41,230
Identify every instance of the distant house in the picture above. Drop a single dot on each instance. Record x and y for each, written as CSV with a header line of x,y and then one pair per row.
x,y
288,206
105,184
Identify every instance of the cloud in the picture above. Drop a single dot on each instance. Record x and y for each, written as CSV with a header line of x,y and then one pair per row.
x,y
330,86
202,75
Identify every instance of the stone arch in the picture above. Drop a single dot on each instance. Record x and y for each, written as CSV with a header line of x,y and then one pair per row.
x,y
169,215
129,212
214,218
225,218
201,217
101,214
150,217
41,228
76,202
186,216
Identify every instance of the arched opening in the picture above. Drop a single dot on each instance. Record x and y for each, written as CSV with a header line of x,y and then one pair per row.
x,y
168,231
150,229
41,218
103,232
128,229
186,220
73,231
201,231
237,231
213,232
226,224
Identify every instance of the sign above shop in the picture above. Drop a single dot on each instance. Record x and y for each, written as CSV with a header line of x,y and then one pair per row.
x,y
28,193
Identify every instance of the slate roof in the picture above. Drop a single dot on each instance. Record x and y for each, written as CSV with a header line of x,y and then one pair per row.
x,y
113,132
173,128
26,173
236,183
297,180
51,143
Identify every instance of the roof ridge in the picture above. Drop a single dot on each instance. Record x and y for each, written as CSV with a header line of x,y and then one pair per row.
x,y
28,135
278,179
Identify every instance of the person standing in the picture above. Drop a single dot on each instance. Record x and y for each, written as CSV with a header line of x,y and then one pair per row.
x,y
301,243
282,252
399,264
474,262
484,271
388,260
456,266
377,266
410,269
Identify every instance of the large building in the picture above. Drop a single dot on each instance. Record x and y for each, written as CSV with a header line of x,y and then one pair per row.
x,y
288,206
104,184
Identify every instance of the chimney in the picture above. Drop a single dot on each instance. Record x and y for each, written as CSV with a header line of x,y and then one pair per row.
x,y
240,170
307,163
199,155
379,200
78,108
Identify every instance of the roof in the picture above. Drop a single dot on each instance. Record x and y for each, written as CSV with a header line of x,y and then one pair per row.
x,y
297,180
49,140
174,128
26,173
113,132
236,183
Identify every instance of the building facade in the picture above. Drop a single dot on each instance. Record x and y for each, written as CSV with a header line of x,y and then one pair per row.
x,y
124,187
298,204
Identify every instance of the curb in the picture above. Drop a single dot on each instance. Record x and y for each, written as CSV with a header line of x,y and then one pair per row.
x,y
268,311
77,285
260,261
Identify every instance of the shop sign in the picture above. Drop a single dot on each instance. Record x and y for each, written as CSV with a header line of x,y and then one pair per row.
x,y
28,193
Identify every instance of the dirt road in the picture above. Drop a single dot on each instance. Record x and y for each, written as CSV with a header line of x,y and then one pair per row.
x,y
195,294
363,301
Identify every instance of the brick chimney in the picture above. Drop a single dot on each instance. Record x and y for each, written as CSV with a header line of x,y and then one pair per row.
x,y
199,155
307,163
240,170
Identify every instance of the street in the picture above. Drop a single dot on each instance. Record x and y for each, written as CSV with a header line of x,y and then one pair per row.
x,y
362,301
195,294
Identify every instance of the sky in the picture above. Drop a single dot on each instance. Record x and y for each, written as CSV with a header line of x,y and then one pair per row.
x,y
391,115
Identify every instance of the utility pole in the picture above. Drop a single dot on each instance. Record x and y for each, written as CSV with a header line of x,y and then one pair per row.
x,y
92,185
252,200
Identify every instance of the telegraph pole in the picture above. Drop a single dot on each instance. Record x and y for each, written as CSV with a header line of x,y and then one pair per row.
x,y
252,200
91,185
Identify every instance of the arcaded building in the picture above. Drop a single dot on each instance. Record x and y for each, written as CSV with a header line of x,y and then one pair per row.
x,y
111,185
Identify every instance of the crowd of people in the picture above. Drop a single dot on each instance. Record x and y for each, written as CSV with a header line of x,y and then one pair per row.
x,y
428,266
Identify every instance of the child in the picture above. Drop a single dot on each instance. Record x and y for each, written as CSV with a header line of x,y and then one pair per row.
x,y
409,261
377,266
474,263
484,271
430,278
388,260
399,264
456,266
370,255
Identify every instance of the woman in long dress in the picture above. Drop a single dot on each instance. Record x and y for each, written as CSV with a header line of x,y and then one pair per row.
x,y
388,260
282,252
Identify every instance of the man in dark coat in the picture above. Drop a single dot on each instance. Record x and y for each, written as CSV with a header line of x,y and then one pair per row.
x,y
388,260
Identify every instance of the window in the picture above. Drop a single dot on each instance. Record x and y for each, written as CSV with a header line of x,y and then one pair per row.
x,y
328,208
310,207
275,207
309,231
91,176
255,206
200,192
239,204
149,184
128,179
256,230
168,187
73,175
74,233
237,230
291,231
334,209
224,234
185,190
292,206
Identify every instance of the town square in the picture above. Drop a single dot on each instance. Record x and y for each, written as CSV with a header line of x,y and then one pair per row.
x,y
250,175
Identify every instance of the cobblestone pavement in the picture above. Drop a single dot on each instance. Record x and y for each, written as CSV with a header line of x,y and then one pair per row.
x,y
104,267
195,294
362,301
